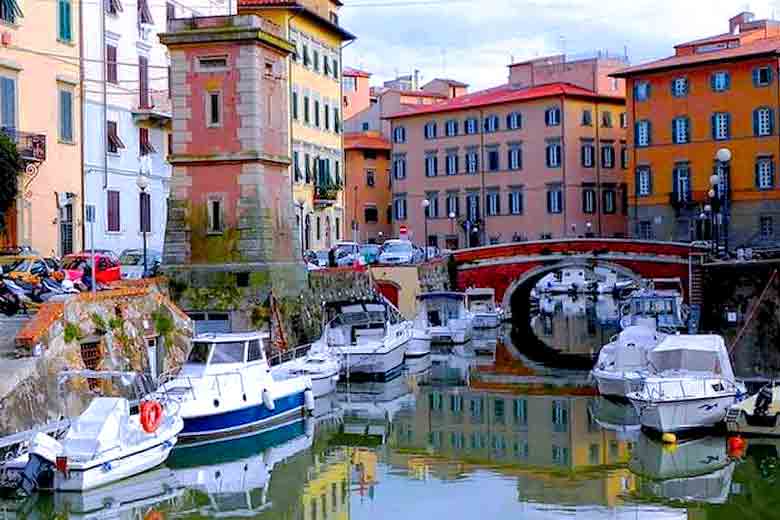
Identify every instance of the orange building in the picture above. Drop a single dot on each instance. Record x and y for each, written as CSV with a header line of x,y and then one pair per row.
x,y
356,89
719,93
367,189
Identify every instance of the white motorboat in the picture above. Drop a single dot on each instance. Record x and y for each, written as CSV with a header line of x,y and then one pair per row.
x,y
694,470
692,384
445,316
622,364
420,344
370,338
664,307
569,280
226,388
481,303
319,364
105,444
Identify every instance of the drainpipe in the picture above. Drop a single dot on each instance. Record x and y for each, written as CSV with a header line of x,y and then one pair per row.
x,y
564,189
597,161
82,106
482,202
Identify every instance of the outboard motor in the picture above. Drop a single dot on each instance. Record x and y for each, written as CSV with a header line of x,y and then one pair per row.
x,y
763,400
39,472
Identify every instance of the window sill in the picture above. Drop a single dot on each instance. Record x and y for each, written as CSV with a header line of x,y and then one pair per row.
x,y
63,141
69,43
10,25
215,233
115,233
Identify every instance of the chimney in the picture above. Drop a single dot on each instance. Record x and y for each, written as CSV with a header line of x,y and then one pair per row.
x,y
735,23
416,81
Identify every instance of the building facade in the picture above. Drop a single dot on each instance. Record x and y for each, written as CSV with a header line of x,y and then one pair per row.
x,y
367,189
230,238
40,97
128,113
719,92
542,156
315,101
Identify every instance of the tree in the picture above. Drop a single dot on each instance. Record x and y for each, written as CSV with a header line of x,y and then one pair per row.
x,y
11,165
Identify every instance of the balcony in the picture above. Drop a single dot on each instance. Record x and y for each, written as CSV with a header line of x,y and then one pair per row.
x,y
31,147
326,194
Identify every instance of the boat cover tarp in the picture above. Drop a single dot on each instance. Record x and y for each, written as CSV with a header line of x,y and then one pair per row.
x,y
693,353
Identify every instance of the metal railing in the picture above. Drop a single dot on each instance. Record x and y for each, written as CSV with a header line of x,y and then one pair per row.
x,y
288,355
31,147
694,387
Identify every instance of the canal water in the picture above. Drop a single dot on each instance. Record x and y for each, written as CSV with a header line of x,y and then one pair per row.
x,y
488,430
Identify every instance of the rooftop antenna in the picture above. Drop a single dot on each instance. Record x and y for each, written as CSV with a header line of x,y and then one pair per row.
x,y
562,45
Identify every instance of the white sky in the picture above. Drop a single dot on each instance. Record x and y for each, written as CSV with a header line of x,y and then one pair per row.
x,y
474,40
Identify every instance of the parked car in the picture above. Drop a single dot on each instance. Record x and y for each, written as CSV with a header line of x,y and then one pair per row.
x,y
107,266
316,258
348,253
398,252
132,263
370,253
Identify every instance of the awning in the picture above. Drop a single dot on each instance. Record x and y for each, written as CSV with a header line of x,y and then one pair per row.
x,y
10,9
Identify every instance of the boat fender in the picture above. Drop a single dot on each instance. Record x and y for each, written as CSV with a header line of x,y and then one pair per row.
x,y
268,400
153,514
151,415
736,445
308,399
669,438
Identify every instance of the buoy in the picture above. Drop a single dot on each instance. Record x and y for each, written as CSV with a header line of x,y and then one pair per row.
x,y
669,438
736,446
151,415
268,400
308,399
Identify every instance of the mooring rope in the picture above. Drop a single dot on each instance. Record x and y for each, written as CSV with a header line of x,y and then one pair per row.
x,y
753,311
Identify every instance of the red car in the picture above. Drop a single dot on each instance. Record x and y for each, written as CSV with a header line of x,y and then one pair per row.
x,y
107,266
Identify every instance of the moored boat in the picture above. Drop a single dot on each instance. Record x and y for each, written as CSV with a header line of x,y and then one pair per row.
x,y
759,414
481,303
370,338
662,307
691,387
445,316
319,364
622,364
226,388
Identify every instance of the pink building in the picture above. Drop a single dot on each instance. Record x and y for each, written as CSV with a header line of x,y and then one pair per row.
x,y
357,91
542,156
230,217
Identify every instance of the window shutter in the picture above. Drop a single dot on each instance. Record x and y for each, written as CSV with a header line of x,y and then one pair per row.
x,y
520,201
770,74
757,175
728,126
772,173
728,81
8,108
713,124
755,121
712,81
637,178
585,200
675,183
548,152
649,133
650,181
771,121
549,201
755,77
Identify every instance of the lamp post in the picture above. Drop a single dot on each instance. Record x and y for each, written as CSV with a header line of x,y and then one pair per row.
x,y
589,229
300,205
452,225
143,184
720,184
425,204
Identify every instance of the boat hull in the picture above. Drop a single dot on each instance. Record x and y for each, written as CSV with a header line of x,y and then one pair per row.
x,y
242,420
381,364
486,320
617,384
419,345
683,414
450,335
101,474
322,385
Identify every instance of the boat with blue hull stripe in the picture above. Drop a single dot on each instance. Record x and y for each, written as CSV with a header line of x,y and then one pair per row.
x,y
225,423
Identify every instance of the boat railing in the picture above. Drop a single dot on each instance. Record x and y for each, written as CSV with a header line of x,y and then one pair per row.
x,y
166,388
693,387
289,355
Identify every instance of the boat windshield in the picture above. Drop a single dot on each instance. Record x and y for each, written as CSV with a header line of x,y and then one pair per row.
x,y
232,352
360,318
654,306
199,354
397,247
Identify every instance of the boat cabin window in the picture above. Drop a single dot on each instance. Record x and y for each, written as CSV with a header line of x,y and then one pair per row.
x,y
199,354
232,352
255,351
655,306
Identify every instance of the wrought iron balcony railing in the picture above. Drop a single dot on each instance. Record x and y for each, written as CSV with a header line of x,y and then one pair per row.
x,y
31,147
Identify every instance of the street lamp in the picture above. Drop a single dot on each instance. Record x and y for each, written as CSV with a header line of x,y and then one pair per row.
x,y
719,183
142,181
589,228
452,226
425,204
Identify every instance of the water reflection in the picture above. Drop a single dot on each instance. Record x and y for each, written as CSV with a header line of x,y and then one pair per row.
x,y
575,325
483,433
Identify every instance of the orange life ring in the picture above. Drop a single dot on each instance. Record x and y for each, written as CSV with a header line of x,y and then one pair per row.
x,y
151,415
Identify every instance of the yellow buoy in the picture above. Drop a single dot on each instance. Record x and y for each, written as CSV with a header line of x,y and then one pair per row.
x,y
669,438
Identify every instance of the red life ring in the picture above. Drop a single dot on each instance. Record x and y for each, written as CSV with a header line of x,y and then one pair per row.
x,y
151,415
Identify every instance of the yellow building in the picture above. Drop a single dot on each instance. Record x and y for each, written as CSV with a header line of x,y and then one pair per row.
x,y
326,494
39,107
315,92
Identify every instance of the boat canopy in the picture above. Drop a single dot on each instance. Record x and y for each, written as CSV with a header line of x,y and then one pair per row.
x,y
693,353
631,349
448,295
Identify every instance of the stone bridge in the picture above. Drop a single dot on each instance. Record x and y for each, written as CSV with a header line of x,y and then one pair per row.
x,y
509,267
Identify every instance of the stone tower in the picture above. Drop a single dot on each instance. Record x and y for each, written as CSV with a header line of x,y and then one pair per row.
x,y
230,237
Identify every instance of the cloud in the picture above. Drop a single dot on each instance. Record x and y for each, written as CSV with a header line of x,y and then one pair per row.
x,y
474,40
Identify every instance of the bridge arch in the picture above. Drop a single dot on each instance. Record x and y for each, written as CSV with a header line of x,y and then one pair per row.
x,y
536,273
